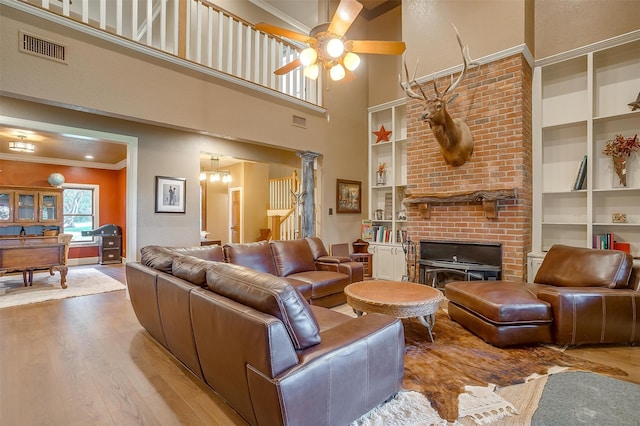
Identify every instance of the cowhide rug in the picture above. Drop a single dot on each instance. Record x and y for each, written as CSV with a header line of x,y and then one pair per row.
x,y
440,370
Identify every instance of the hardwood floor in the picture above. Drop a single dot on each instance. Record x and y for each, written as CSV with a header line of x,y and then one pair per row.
x,y
87,360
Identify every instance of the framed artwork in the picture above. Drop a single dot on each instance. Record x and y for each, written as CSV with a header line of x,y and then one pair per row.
x,y
348,196
170,194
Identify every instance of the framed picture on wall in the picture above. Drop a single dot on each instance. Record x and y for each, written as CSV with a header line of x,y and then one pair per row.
x,y
348,196
170,194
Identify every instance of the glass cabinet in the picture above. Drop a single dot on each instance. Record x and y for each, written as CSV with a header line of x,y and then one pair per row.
x,y
27,206
49,206
6,206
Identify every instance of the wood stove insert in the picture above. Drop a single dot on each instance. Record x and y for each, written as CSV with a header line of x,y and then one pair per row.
x,y
443,261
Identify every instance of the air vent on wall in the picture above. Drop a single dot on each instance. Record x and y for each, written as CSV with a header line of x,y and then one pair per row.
x,y
38,46
299,121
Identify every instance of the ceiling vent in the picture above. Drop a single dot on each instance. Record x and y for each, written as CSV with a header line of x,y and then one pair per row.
x,y
38,46
299,121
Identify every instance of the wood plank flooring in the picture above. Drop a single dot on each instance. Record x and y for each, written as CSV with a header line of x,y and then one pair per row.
x,y
87,360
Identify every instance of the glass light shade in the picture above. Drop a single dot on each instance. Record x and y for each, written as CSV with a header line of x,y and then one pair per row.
x,y
203,175
312,71
20,146
215,177
351,61
337,72
226,178
335,47
308,56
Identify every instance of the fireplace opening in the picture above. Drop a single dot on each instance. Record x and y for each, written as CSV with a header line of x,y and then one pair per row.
x,y
444,261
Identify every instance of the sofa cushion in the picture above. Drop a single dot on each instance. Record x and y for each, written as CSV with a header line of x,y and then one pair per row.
x,y
269,294
157,257
565,266
323,283
292,256
317,247
192,269
212,252
256,256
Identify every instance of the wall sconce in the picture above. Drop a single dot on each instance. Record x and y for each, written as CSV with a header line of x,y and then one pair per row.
x,y
21,145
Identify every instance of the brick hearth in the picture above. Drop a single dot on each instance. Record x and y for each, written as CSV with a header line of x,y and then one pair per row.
x,y
495,101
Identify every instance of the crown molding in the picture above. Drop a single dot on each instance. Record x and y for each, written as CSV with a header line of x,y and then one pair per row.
x,y
62,162
593,47
520,49
281,15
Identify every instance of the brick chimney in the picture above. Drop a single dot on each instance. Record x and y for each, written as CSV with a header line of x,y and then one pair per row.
x,y
495,101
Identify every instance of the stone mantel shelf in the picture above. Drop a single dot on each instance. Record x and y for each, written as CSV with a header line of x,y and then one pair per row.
x,y
488,197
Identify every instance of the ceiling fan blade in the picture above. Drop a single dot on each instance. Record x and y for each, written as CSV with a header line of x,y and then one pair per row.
x,y
272,29
376,47
289,67
346,13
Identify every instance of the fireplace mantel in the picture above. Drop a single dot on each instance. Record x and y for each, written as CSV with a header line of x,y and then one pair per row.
x,y
488,197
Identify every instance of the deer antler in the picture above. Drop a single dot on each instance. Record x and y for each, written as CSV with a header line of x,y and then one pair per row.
x,y
406,86
467,62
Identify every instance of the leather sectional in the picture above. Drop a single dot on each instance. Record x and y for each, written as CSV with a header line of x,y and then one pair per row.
x,y
256,341
579,296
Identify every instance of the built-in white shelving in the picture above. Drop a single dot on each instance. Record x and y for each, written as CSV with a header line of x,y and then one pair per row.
x,y
579,104
386,211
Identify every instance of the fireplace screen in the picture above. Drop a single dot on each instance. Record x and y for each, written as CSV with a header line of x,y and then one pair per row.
x,y
444,261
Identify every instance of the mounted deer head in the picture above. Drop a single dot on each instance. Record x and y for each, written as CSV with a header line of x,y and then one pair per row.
x,y
453,134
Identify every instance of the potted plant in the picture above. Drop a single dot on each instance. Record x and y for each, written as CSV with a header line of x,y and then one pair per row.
x,y
380,174
620,149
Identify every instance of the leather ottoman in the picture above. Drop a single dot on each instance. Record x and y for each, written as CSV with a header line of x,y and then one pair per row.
x,y
503,313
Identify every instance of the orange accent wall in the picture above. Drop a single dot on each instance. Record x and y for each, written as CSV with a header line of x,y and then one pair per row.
x,y
113,191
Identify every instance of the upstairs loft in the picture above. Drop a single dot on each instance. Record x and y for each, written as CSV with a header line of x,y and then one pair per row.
x,y
191,33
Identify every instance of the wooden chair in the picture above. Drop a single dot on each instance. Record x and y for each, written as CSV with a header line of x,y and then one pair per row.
x,y
341,249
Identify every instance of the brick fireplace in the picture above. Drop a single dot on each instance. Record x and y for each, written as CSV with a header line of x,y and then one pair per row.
x,y
495,101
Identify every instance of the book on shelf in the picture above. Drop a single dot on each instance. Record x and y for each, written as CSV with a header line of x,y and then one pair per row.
x,y
367,230
607,242
580,175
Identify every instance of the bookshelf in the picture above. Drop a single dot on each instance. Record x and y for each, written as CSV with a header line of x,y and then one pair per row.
x,y
387,214
580,101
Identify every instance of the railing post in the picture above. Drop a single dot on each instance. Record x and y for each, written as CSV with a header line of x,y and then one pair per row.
x,y
182,29
275,227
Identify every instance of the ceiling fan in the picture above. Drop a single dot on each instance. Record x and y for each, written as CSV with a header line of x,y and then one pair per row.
x,y
328,47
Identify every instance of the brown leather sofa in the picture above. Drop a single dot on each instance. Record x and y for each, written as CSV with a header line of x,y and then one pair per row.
x,y
320,278
254,340
579,296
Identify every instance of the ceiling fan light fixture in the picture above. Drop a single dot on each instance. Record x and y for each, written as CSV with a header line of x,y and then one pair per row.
x,y
312,71
351,61
21,145
308,56
335,47
337,72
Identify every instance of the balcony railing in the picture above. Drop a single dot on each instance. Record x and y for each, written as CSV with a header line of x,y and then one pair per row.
x,y
196,31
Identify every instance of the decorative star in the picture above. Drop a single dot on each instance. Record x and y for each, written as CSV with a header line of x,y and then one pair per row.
x,y
635,105
382,134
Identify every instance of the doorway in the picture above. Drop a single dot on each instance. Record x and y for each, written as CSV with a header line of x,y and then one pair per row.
x,y
235,215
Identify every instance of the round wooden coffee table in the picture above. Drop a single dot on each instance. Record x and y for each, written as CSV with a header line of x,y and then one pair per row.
x,y
396,298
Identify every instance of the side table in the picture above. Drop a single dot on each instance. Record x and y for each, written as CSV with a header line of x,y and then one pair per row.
x,y
367,262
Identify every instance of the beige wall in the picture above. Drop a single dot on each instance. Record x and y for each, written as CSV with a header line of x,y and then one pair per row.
x,y
568,24
153,91
107,80
487,26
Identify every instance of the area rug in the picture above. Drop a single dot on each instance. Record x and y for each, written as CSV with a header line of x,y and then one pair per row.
x,y
577,397
80,282
458,371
